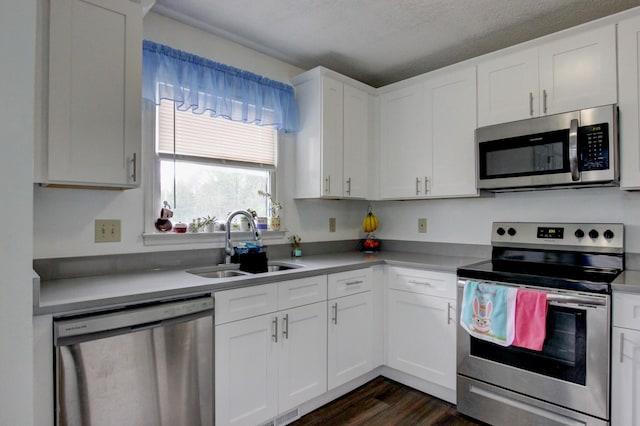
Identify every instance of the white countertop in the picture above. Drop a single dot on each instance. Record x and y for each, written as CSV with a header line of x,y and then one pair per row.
x,y
98,292
628,281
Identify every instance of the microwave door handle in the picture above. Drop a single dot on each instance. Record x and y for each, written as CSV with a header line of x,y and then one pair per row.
x,y
573,150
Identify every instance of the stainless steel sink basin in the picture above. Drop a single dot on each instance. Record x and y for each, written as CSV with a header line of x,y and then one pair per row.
x,y
281,266
233,270
220,271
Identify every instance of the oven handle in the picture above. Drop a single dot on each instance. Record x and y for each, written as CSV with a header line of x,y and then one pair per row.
x,y
563,298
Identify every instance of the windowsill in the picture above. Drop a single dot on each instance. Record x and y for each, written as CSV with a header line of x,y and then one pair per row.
x,y
217,238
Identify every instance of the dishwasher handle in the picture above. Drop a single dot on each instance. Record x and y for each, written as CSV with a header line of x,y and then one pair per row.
x,y
134,318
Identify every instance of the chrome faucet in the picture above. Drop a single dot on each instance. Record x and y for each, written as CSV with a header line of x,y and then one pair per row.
x,y
252,224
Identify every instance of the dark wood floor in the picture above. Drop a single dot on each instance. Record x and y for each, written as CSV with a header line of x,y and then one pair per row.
x,y
385,402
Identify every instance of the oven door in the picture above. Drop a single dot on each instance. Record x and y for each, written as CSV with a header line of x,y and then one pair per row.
x,y
571,370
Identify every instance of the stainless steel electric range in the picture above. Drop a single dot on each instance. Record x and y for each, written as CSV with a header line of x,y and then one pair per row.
x,y
568,381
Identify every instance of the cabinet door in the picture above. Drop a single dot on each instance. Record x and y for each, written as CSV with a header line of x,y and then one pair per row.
x,y
579,71
332,137
350,338
508,88
303,355
629,82
451,124
422,336
95,98
356,142
246,370
625,381
403,150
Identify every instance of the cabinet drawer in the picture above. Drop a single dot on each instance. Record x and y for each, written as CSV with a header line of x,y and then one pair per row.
x,y
303,291
442,284
350,282
232,305
626,310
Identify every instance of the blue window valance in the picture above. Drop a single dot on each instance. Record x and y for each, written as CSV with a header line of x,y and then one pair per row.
x,y
200,85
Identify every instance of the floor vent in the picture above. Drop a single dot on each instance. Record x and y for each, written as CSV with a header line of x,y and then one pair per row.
x,y
269,423
287,417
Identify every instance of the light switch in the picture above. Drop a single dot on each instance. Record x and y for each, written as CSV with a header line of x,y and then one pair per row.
x,y
422,225
107,231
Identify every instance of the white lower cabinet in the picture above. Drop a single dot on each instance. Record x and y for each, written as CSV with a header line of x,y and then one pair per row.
x,y
421,325
270,363
350,341
625,360
422,337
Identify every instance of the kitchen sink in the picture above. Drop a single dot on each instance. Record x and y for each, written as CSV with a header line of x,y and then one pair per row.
x,y
219,271
233,270
281,266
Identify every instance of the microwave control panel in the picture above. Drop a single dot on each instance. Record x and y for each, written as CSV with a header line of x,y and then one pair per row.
x,y
593,147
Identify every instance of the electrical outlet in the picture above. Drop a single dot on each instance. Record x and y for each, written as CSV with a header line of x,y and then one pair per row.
x,y
107,231
332,224
422,225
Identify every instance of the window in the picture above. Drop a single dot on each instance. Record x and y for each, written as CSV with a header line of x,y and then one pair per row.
x,y
210,166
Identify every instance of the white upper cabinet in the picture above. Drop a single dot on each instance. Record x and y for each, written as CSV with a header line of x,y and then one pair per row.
x,y
332,145
427,138
95,57
629,75
451,123
508,88
566,74
404,157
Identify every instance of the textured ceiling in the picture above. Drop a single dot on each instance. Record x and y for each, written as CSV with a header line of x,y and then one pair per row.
x,y
383,41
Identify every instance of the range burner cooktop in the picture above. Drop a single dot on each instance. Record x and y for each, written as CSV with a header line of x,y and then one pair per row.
x,y
584,257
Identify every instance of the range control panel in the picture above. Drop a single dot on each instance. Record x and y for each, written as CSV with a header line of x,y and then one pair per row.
x,y
607,237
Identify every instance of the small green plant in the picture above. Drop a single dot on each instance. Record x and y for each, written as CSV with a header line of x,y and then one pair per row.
x,y
295,240
201,222
275,206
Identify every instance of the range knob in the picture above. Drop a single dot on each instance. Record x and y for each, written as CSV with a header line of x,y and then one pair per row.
x,y
579,233
608,234
511,231
593,234
500,231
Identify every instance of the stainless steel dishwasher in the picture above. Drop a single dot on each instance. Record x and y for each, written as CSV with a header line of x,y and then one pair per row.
x,y
146,365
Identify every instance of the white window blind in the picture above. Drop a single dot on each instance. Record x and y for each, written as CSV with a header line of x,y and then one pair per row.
x,y
213,137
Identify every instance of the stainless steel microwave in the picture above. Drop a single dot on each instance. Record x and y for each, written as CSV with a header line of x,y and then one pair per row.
x,y
578,148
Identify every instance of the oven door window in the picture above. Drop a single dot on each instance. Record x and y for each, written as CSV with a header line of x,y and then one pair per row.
x,y
563,354
540,154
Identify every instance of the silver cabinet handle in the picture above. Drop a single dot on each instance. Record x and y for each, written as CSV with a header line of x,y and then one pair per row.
x,y
544,101
327,186
134,174
417,186
349,186
531,104
354,282
449,313
573,150
334,317
621,348
274,323
420,282
426,185
285,326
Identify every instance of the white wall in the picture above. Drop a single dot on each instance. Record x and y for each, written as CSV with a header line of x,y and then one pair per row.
x,y
469,220
17,56
64,218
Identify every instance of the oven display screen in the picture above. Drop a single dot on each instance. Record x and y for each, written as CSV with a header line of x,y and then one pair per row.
x,y
549,232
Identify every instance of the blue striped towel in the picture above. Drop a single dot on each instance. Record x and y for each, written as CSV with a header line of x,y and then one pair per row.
x,y
488,312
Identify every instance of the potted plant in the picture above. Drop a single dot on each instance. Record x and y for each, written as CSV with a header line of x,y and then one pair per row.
x,y
296,251
206,223
274,219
